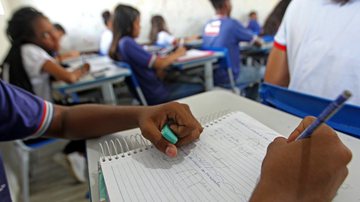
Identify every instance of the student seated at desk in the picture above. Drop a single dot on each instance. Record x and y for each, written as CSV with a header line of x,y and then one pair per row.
x,y
149,69
160,34
29,64
311,169
319,58
254,25
66,55
107,35
226,32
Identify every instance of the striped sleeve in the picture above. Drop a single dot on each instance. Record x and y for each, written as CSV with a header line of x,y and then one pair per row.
x,y
46,118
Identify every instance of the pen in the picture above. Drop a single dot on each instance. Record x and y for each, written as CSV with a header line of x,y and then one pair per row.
x,y
325,115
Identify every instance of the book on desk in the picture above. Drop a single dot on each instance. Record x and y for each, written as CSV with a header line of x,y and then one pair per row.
x,y
224,164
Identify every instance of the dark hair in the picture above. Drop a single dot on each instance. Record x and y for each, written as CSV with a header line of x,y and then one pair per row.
x,y
106,15
218,4
123,25
252,13
272,23
20,31
60,28
342,2
158,24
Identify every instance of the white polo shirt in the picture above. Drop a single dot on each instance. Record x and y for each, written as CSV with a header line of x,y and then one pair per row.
x,y
165,39
322,41
34,58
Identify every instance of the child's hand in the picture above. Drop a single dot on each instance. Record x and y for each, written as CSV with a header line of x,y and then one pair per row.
x,y
310,169
180,51
184,125
85,68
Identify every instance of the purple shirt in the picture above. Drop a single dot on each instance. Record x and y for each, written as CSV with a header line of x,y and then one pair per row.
x,y
141,63
23,115
225,32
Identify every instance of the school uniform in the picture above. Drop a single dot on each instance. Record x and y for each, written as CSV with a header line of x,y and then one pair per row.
x,y
34,58
165,39
23,115
321,39
141,62
254,27
225,32
105,42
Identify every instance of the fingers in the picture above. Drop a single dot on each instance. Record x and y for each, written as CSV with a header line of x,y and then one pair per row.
x,y
153,134
301,127
276,143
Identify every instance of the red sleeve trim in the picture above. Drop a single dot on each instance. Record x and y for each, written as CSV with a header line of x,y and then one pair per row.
x,y
279,46
42,118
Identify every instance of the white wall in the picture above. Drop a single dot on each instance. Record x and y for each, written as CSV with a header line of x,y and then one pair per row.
x,y
4,44
82,18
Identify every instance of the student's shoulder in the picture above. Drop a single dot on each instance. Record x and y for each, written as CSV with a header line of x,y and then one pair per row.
x,y
32,49
126,40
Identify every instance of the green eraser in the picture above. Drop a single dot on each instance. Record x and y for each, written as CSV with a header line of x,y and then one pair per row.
x,y
169,135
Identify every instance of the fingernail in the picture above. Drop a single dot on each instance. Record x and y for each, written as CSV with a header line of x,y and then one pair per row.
x,y
171,151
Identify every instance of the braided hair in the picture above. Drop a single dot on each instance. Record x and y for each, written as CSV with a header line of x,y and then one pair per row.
x,y
20,31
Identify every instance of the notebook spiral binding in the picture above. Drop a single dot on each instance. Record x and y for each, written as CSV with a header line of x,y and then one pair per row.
x,y
117,148
218,120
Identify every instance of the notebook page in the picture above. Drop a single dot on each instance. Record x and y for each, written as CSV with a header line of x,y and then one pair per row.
x,y
223,165
194,54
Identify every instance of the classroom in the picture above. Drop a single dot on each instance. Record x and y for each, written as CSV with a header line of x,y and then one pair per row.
x,y
179,100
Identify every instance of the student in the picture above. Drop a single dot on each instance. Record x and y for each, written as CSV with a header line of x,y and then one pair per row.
x,y
254,25
286,174
146,67
160,34
28,63
69,54
315,55
226,32
272,23
107,35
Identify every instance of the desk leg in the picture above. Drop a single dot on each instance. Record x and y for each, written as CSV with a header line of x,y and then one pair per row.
x,y
108,93
209,80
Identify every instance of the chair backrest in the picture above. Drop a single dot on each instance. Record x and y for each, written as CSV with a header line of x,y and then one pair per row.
x,y
134,85
346,120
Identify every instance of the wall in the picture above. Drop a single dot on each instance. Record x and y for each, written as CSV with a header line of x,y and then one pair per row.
x,y
82,20
4,44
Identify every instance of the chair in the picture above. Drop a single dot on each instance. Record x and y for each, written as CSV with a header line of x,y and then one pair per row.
x,y
134,84
301,105
24,150
225,61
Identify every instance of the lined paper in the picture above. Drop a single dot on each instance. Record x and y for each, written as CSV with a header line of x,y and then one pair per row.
x,y
224,165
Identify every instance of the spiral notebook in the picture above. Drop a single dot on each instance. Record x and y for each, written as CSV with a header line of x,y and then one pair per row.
x,y
223,165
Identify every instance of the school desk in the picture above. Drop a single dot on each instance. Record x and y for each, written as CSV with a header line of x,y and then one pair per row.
x,y
103,74
217,103
205,62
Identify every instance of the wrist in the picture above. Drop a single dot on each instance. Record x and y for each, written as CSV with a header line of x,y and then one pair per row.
x,y
269,192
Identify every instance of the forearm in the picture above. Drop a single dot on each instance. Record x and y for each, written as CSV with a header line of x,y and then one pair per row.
x,y
162,63
91,121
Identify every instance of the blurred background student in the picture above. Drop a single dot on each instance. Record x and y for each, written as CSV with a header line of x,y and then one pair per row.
x,y
149,69
253,24
107,35
160,34
65,55
29,64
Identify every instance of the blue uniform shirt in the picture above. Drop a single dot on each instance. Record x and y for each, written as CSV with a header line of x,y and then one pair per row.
x,y
22,114
225,32
141,63
254,27
4,187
